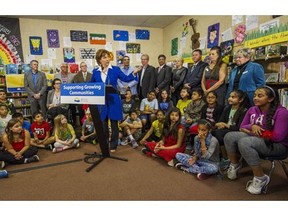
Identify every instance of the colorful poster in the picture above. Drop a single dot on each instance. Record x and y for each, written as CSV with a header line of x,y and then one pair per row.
x,y
227,47
213,35
10,41
174,46
142,34
69,55
133,48
87,53
119,35
98,39
119,57
15,83
79,36
36,45
53,38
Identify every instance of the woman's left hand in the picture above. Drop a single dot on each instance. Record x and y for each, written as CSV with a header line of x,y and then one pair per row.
x,y
136,70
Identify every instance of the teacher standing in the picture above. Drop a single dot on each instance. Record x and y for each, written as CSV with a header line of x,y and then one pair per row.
x,y
112,109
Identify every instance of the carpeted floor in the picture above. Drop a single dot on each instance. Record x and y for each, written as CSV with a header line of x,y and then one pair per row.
x,y
62,176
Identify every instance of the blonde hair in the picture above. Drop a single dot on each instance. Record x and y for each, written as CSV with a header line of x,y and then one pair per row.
x,y
57,122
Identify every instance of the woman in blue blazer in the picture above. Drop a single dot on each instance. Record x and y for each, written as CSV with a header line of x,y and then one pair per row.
x,y
247,75
112,109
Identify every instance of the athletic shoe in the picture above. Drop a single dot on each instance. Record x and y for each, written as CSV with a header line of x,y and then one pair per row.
x,y
146,152
202,176
125,142
78,145
49,147
178,165
3,174
58,149
113,150
2,165
134,143
224,164
34,158
232,171
258,186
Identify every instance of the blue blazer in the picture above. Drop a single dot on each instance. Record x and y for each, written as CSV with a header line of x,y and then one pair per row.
x,y
113,106
252,78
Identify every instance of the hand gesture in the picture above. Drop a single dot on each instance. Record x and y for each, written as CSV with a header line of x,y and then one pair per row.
x,y
257,130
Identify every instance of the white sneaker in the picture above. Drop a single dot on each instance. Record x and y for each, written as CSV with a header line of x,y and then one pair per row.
x,y
125,142
232,171
257,186
2,165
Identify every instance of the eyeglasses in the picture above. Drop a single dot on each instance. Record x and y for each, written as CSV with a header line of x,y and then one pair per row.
x,y
57,83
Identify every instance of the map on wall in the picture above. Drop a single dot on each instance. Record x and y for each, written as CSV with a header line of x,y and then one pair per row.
x,y
10,42
80,36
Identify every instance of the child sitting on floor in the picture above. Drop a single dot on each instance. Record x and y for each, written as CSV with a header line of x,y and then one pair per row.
x,y
88,129
65,136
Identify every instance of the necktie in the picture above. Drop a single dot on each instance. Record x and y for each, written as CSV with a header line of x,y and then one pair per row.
x,y
84,76
159,69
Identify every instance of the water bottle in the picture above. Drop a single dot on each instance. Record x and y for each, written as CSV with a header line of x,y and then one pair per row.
x,y
3,174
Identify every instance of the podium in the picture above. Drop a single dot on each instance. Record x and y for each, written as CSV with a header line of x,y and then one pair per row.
x,y
104,146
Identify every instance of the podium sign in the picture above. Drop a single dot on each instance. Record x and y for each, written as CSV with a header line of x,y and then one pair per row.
x,y
83,93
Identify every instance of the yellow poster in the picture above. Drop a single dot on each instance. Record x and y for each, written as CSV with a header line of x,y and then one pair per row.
x,y
15,82
267,40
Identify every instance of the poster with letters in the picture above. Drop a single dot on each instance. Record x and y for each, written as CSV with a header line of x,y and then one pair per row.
x,y
79,36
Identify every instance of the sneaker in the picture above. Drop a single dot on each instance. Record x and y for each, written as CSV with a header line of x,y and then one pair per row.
x,y
125,142
232,171
94,142
58,149
171,163
2,165
146,152
113,150
224,164
34,158
49,147
178,165
134,144
3,174
257,186
78,145
202,176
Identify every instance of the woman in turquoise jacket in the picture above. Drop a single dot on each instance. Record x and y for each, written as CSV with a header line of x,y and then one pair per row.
x,y
112,109
247,75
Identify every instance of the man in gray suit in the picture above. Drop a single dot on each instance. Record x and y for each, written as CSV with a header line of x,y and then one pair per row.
x,y
35,83
163,75
146,81
81,77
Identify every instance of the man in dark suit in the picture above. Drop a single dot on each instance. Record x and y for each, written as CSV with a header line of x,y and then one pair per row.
x,y
81,77
194,74
35,83
163,75
146,78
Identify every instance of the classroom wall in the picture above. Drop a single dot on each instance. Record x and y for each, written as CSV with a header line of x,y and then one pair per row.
x,y
175,30
34,27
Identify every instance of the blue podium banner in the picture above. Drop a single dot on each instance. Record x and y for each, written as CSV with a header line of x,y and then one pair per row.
x,y
83,93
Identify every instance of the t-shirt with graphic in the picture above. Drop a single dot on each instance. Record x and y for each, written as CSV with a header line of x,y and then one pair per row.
x,y
65,133
128,106
88,127
41,129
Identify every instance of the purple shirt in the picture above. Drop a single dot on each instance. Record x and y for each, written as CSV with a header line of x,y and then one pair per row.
x,y
280,122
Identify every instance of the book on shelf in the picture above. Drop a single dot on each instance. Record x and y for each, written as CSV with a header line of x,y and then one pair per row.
x,y
11,69
283,96
272,77
2,69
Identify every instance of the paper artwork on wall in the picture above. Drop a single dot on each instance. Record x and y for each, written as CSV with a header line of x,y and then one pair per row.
x,y
97,39
142,34
69,55
133,48
185,29
213,35
79,36
174,46
73,68
227,47
240,33
119,57
119,35
87,53
35,45
53,38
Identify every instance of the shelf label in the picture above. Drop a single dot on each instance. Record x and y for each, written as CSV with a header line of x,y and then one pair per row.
x,y
83,93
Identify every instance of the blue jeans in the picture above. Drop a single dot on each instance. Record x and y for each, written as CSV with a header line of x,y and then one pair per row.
x,y
251,147
200,166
